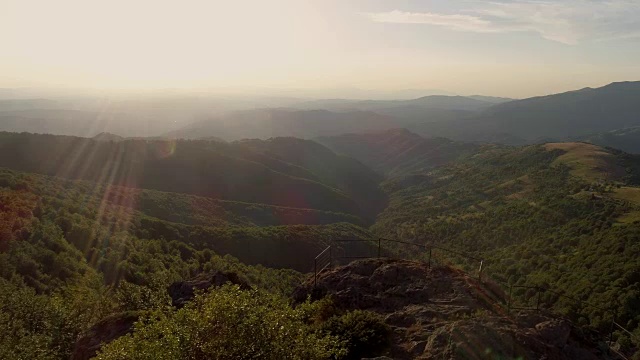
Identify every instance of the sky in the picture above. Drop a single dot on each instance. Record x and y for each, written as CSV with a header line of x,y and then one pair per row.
x,y
515,48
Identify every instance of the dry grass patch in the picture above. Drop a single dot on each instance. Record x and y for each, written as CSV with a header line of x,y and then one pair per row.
x,y
588,161
628,193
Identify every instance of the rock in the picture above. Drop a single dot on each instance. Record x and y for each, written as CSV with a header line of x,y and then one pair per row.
x,y
439,312
555,332
105,332
182,292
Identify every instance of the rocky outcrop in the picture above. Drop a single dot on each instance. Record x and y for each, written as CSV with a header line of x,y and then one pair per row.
x,y
182,292
441,313
103,332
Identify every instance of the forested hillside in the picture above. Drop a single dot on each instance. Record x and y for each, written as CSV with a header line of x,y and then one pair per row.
x,y
563,216
108,225
627,139
399,151
238,171
86,248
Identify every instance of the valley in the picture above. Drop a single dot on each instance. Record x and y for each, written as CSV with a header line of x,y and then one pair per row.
x,y
149,212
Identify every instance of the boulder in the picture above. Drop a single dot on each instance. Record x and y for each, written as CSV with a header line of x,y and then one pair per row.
x,y
555,332
104,332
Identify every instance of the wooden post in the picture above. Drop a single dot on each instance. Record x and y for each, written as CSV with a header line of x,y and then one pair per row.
x,y
379,240
429,263
538,300
509,300
315,273
480,271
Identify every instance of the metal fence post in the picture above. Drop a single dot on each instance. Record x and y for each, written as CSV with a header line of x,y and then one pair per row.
x,y
538,300
480,271
315,273
330,257
509,300
429,264
613,321
379,240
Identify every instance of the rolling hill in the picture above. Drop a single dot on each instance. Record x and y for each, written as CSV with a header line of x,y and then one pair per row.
x,y
559,116
267,123
397,152
235,172
627,139
562,216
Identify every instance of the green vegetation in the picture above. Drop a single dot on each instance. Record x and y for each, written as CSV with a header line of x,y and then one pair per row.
x,y
108,233
226,324
73,253
364,333
535,223
268,173
399,151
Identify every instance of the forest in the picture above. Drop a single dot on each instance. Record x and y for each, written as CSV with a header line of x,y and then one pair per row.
x,y
81,249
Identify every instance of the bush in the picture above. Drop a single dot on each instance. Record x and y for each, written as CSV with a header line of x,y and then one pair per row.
x,y
227,323
363,332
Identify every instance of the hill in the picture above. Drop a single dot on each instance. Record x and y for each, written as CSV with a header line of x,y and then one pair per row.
x,y
75,254
442,102
234,172
267,123
627,139
561,216
441,312
398,151
105,136
434,108
559,116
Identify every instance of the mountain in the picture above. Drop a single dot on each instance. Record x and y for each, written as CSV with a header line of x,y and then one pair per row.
x,y
342,172
562,216
105,136
333,117
442,102
491,99
627,139
433,108
398,151
234,171
126,115
560,116
267,123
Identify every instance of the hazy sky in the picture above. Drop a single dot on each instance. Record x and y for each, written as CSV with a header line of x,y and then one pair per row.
x,y
509,48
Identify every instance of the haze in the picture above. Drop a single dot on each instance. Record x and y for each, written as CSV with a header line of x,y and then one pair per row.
x,y
316,48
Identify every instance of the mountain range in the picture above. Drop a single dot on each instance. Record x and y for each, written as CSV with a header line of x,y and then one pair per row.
x,y
590,114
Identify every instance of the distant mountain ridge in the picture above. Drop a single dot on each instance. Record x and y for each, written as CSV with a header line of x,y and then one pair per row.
x,y
627,139
267,123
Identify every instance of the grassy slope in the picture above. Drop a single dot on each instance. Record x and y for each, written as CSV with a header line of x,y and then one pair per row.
x,y
588,161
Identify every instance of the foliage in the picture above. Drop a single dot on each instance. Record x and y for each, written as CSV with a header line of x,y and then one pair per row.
x,y
225,324
364,333
534,224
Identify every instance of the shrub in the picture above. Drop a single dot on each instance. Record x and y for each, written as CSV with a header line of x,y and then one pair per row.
x,y
227,323
363,332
